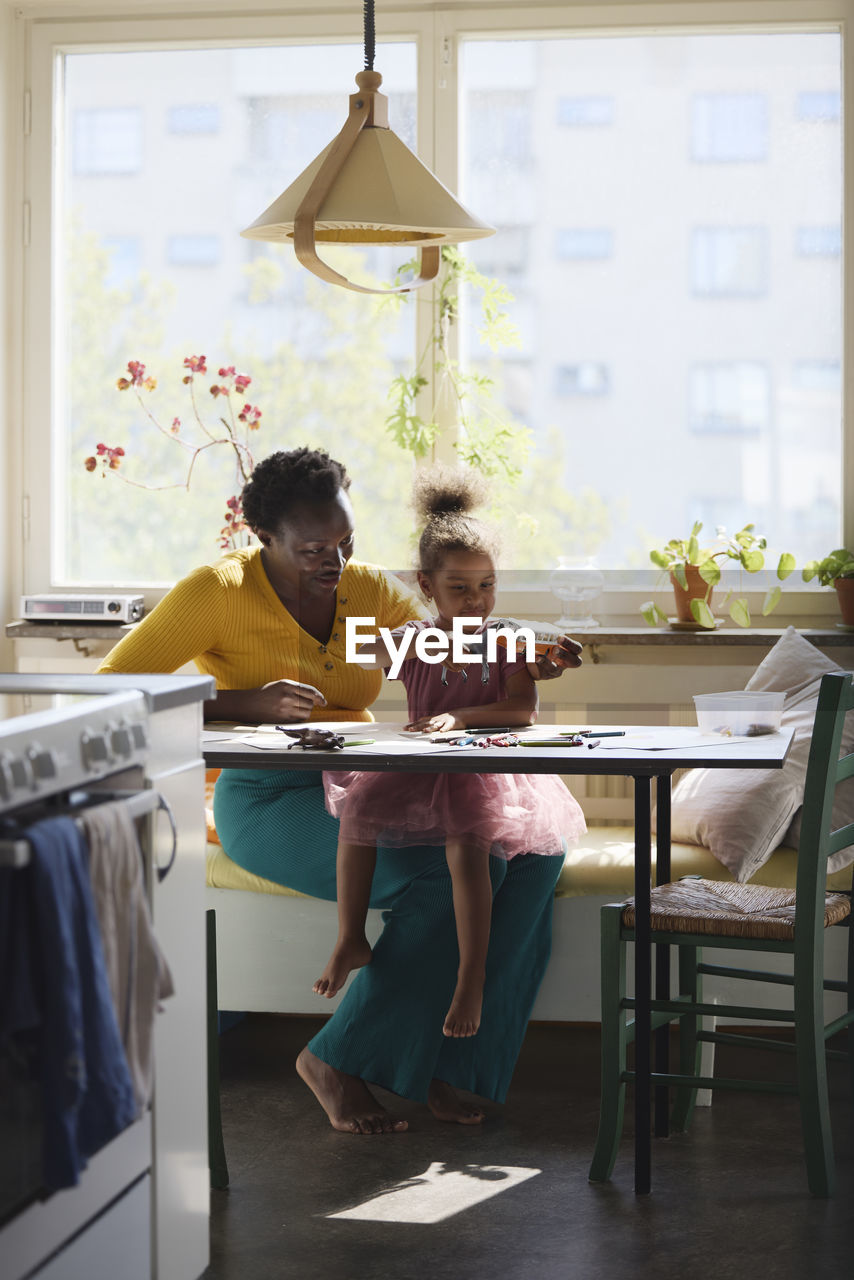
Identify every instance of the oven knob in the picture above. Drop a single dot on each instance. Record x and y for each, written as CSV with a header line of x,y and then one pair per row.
x,y
93,749
121,742
21,773
43,763
5,777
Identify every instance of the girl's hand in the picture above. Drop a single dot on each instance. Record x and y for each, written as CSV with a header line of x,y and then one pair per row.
x,y
565,653
442,723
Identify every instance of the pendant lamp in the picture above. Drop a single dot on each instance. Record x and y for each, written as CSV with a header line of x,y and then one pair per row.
x,y
367,188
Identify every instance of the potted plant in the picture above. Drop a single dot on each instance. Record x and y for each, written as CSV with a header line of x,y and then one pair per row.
x,y
694,571
836,569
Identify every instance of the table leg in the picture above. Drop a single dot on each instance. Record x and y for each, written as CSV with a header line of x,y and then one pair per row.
x,y
662,956
643,859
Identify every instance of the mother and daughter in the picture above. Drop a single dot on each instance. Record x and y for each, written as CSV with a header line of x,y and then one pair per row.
x,y
268,623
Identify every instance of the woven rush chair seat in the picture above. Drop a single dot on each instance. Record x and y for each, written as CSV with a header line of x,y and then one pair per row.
x,y
730,910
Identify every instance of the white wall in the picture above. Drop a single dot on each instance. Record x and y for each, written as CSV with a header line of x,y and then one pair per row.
x,y
9,394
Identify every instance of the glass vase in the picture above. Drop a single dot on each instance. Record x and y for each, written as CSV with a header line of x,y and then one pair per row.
x,y
577,583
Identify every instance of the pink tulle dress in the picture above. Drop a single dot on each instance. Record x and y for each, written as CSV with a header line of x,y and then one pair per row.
x,y
504,814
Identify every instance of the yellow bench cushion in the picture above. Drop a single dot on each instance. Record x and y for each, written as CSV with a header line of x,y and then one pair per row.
x,y
602,865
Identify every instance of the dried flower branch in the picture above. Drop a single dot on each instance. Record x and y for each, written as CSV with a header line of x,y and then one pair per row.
x,y
237,423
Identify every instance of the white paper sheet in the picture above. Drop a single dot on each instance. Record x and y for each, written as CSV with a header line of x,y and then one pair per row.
x,y
672,739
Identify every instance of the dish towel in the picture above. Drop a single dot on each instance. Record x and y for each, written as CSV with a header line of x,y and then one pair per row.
x,y
137,970
87,1092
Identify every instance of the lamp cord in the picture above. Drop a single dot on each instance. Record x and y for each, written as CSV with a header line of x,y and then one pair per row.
x,y
370,35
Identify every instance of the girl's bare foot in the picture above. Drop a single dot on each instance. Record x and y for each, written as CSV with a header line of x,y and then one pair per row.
x,y
463,1017
348,955
347,1100
445,1105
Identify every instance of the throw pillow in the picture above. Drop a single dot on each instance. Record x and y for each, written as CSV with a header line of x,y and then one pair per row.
x,y
741,815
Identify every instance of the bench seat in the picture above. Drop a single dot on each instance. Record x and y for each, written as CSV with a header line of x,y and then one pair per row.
x,y
270,951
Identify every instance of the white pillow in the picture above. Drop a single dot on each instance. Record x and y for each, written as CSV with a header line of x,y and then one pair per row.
x,y
741,815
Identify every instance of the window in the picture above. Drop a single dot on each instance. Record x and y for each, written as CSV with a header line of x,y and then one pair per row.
x,y
818,242
819,106
729,261
689,332
817,375
728,398
125,261
585,242
585,111
586,379
107,141
694,161
194,118
499,128
728,127
320,360
193,251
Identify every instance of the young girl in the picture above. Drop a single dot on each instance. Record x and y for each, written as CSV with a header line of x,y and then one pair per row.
x,y
473,815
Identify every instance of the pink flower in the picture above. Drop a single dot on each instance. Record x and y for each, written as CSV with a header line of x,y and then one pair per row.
x,y
241,382
176,426
227,372
251,415
137,372
196,364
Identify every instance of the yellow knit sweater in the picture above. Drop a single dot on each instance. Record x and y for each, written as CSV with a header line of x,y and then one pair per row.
x,y
229,621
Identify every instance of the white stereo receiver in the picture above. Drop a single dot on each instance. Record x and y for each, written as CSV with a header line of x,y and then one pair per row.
x,y
71,608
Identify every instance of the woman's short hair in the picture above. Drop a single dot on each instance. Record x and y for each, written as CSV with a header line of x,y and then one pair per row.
x,y
289,479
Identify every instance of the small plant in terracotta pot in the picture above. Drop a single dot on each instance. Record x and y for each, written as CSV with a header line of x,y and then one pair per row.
x,y
835,570
694,571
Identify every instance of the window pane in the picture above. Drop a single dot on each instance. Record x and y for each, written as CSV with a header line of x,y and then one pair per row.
x,y
679,306
171,154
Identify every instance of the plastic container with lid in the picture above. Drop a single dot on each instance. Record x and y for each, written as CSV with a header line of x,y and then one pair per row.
x,y
742,713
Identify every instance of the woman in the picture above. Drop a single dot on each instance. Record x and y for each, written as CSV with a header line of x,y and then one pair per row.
x,y
282,607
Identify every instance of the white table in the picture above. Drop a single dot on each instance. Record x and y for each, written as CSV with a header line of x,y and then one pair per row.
x,y
625,756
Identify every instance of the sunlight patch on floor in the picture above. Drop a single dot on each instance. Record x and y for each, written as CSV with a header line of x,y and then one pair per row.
x,y
438,1193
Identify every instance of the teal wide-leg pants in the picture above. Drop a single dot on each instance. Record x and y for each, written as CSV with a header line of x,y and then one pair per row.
x,y
388,1027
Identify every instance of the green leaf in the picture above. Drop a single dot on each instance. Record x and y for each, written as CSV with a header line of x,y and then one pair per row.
x,y
678,571
696,527
810,570
772,599
740,613
660,558
703,614
786,565
693,549
710,572
652,614
752,561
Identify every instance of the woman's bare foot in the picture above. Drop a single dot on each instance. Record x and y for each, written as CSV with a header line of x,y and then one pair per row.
x,y
445,1105
347,1100
348,955
463,1017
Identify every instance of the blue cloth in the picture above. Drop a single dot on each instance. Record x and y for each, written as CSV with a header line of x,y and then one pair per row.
x,y
388,1027
86,1086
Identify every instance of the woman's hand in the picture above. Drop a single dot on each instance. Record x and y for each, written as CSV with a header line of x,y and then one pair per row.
x,y
442,723
289,701
279,702
565,653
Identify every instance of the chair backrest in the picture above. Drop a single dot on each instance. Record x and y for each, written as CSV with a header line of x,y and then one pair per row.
x,y
825,771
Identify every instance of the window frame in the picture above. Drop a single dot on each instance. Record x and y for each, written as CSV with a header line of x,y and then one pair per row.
x,y
437,32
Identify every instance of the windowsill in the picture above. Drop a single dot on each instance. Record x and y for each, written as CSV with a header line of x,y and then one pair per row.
x,y
650,636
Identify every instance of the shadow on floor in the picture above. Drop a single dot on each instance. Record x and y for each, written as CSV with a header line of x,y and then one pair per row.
x,y
511,1198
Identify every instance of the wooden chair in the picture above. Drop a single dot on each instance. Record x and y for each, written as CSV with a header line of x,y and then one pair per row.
x,y
692,914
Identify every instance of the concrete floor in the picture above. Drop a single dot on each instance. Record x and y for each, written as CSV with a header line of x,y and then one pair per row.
x,y
729,1199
